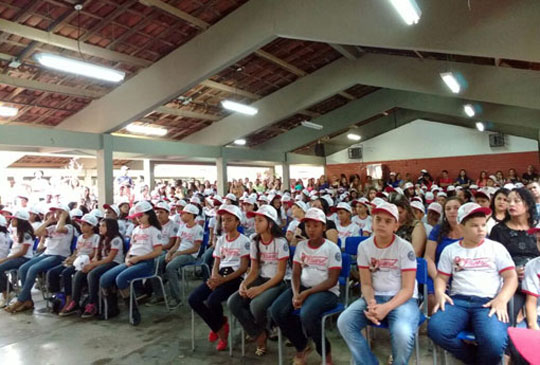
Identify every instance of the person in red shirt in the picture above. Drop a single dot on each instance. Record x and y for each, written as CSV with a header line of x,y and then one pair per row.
x,y
444,180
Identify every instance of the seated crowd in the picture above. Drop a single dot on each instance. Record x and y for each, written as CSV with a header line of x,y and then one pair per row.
x,y
274,257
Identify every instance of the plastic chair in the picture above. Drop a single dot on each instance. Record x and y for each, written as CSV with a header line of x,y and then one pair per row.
x,y
231,328
422,279
352,243
47,296
340,307
194,265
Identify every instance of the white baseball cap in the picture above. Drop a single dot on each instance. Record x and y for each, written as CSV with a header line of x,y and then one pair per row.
x,y
6,210
424,171
265,211
473,187
231,197
442,193
34,210
75,213
430,196
249,200
315,214
163,205
436,207
191,209
509,186
63,207
450,188
344,206
363,201
305,192
81,261
20,214
470,208
140,208
493,177
408,185
328,199
3,221
88,218
112,207
376,202
123,200
285,198
417,205
387,208
392,173
301,205
313,192
97,213
482,193
263,198
181,203
231,209
435,187
195,200
218,199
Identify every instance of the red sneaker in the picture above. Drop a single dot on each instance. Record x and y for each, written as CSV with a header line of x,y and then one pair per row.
x,y
212,336
221,346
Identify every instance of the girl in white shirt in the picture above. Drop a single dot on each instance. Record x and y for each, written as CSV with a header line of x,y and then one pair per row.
x,y
345,227
231,259
20,252
362,217
315,289
59,232
146,245
269,254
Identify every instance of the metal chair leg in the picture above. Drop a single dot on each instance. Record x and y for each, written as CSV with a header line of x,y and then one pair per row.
x,y
280,347
323,340
130,301
416,345
230,339
192,330
164,294
242,333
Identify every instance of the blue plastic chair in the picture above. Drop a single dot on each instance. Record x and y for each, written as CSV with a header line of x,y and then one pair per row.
x,y
422,279
352,243
241,229
340,307
194,265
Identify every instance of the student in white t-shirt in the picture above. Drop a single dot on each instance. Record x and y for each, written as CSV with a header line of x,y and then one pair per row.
x,y
345,227
169,228
269,254
60,233
87,245
113,211
20,252
184,252
109,254
387,267
248,206
484,279
146,244
315,289
531,287
231,259
293,233
362,217
419,211
5,241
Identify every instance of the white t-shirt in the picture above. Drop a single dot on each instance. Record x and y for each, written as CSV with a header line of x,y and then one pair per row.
x,y
169,230
129,229
490,223
143,240
387,264
5,243
249,226
231,252
86,246
531,282
352,230
364,224
16,246
118,245
316,262
122,227
269,254
475,271
188,237
59,243
293,225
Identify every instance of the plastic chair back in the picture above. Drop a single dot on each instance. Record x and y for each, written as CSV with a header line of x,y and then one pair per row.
x,y
352,243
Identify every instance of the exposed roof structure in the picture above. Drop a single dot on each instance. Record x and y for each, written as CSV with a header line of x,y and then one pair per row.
x,y
352,66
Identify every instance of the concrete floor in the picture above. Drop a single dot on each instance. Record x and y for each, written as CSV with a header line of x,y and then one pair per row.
x,y
161,338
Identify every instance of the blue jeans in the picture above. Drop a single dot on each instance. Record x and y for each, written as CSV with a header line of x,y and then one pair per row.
x,y
121,275
29,271
468,313
402,323
170,273
293,326
7,266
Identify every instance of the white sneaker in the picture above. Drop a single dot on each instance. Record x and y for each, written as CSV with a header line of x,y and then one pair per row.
x,y
4,302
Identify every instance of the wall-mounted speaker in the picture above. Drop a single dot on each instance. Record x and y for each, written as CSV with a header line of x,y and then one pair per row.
x,y
355,153
496,140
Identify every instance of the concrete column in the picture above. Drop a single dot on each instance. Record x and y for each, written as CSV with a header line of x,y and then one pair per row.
x,y
148,168
286,178
221,165
105,171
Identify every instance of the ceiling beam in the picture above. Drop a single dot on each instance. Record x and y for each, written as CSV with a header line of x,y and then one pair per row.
x,y
187,113
230,89
278,61
223,44
199,23
49,87
445,27
70,44
349,52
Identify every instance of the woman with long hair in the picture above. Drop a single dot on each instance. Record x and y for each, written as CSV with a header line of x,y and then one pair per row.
x,y
498,206
410,229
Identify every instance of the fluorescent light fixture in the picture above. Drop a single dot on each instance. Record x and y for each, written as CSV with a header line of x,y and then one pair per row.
x,y
7,111
469,110
146,129
353,137
480,126
408,10
81,68
240,142
451,81
238,107
316,126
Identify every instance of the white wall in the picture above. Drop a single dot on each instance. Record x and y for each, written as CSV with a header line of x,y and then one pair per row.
x,y
426,139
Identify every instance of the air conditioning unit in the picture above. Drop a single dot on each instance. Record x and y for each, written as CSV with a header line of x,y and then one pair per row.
x,y
496,140
355,153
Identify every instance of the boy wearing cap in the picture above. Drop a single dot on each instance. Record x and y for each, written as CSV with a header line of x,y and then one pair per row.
x,y
293,233
315,288
345,227
387,266
476,301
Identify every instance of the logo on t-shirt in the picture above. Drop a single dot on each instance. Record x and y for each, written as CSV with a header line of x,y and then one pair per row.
x,y
159,237
461,263
338,257
285,247
246,245
411,256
